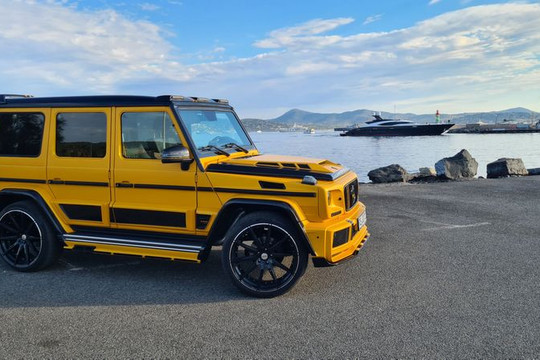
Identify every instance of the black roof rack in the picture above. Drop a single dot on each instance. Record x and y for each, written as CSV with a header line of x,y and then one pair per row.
x,y
3,97
193,99
105,100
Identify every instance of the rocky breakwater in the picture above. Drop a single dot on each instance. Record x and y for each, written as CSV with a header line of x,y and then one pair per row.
x,y
460,166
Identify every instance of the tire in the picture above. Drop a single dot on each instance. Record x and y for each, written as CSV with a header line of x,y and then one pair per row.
x,y
27,240
263,254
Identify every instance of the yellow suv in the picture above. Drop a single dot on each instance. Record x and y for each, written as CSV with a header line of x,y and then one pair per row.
x,y
168,177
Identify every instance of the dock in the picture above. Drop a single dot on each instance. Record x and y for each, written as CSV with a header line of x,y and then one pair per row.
x,y
497,128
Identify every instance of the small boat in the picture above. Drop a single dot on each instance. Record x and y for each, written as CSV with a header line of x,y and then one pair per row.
x,y
396,127
309,131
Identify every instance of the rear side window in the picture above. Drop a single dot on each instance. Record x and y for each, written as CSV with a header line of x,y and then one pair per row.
x,y
21,134
81,135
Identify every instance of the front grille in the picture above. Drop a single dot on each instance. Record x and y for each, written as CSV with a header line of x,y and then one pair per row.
x,y
340,237
351,194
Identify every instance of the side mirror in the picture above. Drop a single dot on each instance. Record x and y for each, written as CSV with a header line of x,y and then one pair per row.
x,y
176,154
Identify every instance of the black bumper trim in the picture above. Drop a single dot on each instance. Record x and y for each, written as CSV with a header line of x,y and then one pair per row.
x,y
322,262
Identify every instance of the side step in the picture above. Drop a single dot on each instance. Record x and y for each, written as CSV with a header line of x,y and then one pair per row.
x,y
146,246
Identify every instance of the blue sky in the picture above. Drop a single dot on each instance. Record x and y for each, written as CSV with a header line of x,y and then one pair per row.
x,y
270,56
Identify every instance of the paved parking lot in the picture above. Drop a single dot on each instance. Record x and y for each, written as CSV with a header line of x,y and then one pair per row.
x,y
451,271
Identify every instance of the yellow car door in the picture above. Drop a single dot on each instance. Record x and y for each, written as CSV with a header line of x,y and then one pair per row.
x,y
150,195
78,164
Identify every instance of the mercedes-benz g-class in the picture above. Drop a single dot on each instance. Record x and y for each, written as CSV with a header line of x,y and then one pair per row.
x,y
168,177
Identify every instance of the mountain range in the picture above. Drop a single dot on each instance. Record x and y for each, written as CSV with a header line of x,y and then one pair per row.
x,y
301,118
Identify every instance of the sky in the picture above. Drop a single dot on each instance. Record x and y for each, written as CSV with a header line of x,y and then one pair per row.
x,y
270,56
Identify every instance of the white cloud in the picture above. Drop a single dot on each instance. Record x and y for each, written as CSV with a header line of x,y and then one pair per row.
x,y
478,58
372,18
463,60
433,2
149,7
303,34
74,49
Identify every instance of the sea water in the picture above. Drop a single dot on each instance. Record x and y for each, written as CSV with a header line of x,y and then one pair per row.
x,y
362,154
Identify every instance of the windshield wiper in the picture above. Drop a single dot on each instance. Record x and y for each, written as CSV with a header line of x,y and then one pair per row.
x,y
235,146
215,148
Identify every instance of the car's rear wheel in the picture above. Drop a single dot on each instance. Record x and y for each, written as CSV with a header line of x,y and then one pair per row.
x,y
27,241
263,254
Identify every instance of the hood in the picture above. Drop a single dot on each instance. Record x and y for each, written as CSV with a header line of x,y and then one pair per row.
x,y
280,166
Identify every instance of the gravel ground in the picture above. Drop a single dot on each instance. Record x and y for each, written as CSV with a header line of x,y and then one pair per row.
x,y
451,271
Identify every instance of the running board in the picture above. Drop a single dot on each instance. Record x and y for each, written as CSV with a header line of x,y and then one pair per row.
x,y
116,245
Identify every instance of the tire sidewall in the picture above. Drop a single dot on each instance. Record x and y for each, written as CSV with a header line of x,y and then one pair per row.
x,y
270,219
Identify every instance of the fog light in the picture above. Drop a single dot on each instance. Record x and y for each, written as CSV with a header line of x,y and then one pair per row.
x,y
340,237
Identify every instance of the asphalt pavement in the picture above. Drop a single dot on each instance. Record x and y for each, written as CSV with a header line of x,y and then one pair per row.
x,y
451,271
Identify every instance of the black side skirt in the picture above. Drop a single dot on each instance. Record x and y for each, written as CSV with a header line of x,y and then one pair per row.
x,y
138,239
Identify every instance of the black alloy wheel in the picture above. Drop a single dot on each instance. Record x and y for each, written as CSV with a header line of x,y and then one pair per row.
x,y
27,242
263,255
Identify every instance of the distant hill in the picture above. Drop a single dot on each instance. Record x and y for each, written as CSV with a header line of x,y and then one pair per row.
x,y
262,125
516,110
304,118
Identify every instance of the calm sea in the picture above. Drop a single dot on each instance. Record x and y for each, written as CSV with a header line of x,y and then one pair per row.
x,y
363,154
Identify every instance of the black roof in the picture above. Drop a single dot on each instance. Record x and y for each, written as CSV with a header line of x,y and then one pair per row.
x,y
18,101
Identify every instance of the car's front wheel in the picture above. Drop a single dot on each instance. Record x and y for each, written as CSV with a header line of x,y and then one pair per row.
x,y
263,254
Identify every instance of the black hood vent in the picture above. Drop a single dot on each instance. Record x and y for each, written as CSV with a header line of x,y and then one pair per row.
x,y
271,185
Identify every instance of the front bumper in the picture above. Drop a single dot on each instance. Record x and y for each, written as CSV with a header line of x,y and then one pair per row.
x,y
339,239
322,262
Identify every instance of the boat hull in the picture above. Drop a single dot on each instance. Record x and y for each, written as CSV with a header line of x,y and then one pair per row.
x,y
412,130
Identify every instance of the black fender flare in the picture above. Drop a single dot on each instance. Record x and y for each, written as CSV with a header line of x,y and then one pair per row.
x,y
9,196
233,209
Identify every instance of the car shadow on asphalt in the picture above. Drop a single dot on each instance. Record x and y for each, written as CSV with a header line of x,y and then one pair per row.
x,y
82,279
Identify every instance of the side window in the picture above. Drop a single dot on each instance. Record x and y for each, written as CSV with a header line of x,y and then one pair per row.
x,y
146,134
81,135
21,134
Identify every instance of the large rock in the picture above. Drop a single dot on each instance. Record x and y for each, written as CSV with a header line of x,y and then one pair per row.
x,y
460,166
534,171
506,167
390,173
426,172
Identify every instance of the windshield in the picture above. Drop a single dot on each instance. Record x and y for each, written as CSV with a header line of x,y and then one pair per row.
x,y
213,128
